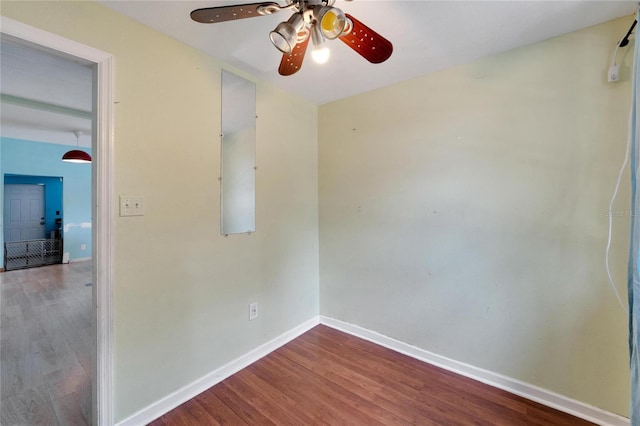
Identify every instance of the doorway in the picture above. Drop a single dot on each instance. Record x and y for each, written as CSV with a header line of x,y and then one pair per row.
x,y
32,221
101,204
46,321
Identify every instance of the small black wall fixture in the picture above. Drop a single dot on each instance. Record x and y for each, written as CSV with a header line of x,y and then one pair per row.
x,y
625,40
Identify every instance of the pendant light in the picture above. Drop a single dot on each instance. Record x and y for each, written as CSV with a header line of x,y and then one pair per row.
x,y
75,155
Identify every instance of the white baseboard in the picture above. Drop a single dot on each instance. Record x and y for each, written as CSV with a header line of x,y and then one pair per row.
x,y
168,403
534,393
79,259
525,390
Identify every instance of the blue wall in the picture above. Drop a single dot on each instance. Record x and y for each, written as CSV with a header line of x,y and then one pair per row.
x,y
21,157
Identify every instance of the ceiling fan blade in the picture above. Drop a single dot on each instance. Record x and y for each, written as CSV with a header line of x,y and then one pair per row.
x,y
212,15
292,62
368,43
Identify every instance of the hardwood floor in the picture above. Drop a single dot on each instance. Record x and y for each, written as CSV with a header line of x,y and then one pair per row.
x,y
46,345
328,377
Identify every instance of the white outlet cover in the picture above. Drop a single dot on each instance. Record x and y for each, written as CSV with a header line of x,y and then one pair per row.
x,y
253,311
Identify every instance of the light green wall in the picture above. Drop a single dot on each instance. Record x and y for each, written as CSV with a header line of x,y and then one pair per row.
x,y
181,289
464,212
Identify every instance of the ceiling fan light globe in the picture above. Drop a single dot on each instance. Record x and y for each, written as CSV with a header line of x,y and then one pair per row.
x,y
283,39
285,36
332,22
320,54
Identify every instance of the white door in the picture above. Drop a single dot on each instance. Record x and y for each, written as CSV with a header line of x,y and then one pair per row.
x,y
23,212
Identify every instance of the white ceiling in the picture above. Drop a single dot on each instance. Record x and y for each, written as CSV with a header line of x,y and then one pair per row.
x,y
427,36
54,85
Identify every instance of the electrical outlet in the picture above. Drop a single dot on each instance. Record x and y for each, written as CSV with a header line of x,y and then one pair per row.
x,y
614,73
253,311
83,246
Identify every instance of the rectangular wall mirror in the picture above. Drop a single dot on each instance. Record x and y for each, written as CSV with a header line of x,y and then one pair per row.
x,y
238,156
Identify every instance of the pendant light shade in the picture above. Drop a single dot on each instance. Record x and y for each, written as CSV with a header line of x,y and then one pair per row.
x,y
75,155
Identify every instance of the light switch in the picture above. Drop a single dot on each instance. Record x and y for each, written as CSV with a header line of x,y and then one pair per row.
x,y
131,206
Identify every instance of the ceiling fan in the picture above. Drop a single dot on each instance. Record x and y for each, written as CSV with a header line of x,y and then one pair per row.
x,y
317,20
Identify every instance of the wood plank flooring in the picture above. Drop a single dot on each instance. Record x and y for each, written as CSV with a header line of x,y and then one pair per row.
x,y
329,377
46,345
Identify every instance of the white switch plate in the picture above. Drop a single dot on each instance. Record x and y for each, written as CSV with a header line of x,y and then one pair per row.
x,y
131,206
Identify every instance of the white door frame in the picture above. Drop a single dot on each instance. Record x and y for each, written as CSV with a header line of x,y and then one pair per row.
x,y
102,205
